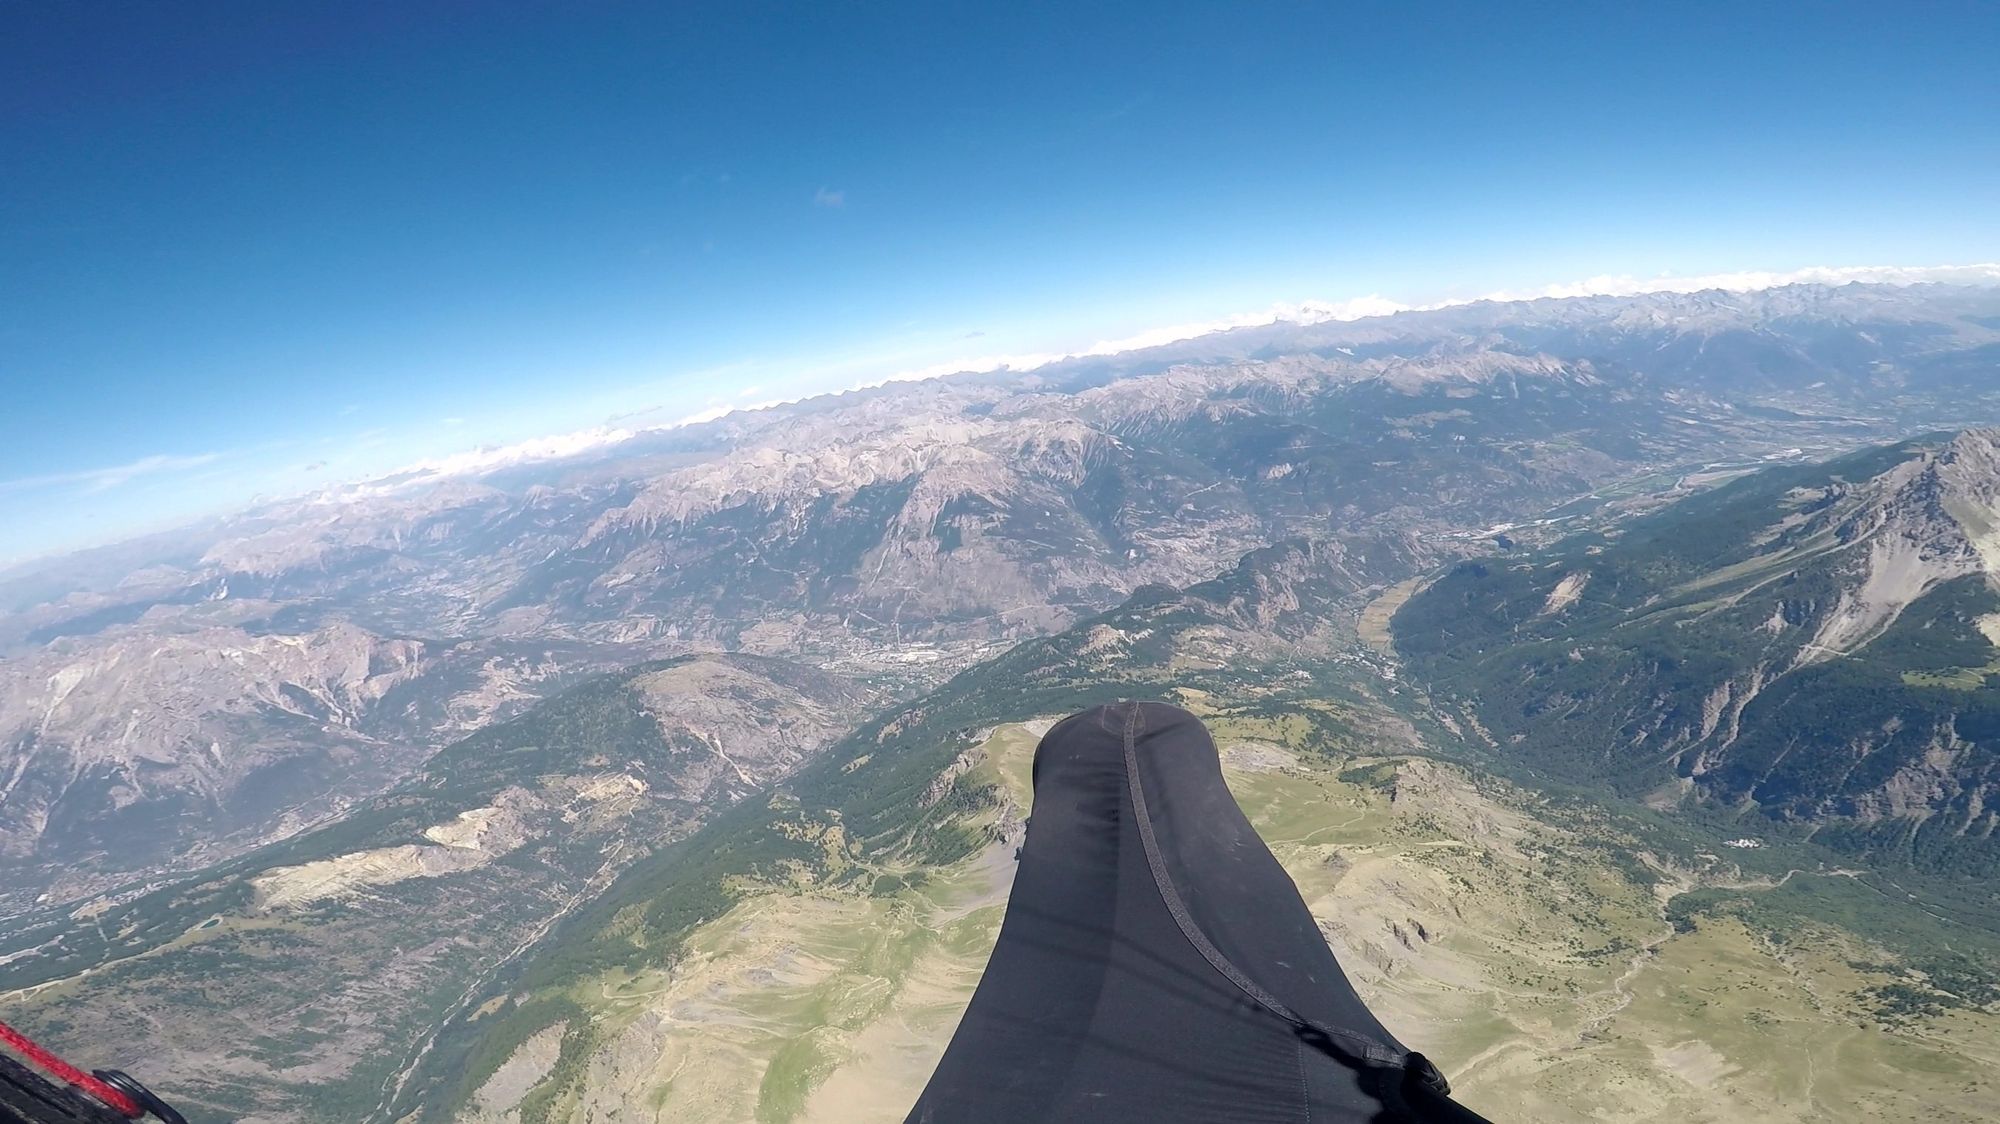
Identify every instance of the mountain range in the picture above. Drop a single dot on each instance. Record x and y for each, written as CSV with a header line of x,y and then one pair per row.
x,y
359,803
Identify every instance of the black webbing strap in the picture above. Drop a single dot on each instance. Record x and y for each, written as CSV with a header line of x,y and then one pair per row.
x,y
1360,1047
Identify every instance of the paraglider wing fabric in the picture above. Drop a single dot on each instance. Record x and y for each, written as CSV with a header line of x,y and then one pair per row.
x,y
1156,963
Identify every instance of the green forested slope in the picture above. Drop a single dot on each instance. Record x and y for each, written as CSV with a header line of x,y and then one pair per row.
x,y
1808,643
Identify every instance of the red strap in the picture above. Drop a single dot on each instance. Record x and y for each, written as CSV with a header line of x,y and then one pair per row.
x,y
56,1067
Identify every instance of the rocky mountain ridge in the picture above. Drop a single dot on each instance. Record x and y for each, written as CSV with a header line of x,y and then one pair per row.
x,y
1812,644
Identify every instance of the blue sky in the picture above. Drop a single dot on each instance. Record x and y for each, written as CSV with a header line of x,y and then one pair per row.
x,y
248,247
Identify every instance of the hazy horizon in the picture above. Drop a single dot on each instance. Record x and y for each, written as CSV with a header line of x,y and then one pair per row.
x,y
251,250
454,453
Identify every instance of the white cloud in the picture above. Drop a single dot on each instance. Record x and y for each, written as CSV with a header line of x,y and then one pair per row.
x,y
723,410
1305,312
827,197
111,476
1985,273
486,458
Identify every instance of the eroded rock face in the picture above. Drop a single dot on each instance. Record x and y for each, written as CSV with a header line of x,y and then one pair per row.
x,y
500,1098
1818,643
152,726
1921,524
734,733
471,839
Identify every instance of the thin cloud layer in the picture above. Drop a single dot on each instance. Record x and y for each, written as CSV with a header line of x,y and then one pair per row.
x,y
489,458
104,479
1984,273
